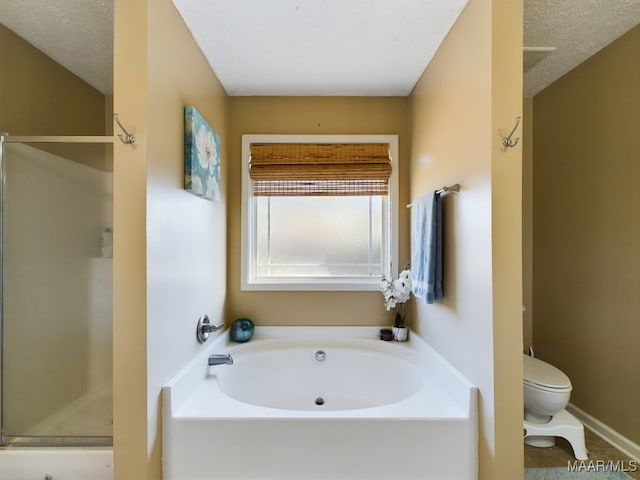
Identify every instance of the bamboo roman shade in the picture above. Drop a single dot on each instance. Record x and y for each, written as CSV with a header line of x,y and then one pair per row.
x,y
320,169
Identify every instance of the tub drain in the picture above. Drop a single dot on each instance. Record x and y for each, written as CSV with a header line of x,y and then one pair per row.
x,y
319,401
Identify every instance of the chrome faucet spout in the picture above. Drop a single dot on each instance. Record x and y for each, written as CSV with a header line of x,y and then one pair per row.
x,y
220,359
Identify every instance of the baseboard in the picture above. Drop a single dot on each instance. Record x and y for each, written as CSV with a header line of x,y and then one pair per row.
x,y
607,433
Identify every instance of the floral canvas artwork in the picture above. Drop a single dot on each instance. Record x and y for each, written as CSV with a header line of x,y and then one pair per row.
x,y
201,156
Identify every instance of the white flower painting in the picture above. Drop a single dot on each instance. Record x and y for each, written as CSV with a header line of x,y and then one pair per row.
x,y
201,156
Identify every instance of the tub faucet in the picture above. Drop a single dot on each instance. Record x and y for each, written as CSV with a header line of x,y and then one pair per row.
x,y
205,327
220,359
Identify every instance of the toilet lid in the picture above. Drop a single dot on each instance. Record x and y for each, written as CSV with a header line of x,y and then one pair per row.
x,y
543,375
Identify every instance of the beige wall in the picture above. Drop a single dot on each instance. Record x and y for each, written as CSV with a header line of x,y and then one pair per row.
x,y
40,97
169,245
304,115
161,288
468,95
586,249
527,222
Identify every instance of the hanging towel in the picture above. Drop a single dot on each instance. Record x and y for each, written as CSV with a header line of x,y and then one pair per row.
x,y
426,248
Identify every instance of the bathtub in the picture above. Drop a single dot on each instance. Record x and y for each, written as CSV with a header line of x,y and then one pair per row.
x,y
320,403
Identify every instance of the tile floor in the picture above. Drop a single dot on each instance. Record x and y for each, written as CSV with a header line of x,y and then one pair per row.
x,y
88,416
561,454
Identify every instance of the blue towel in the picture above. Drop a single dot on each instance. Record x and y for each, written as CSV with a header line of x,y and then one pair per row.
x,y
426,248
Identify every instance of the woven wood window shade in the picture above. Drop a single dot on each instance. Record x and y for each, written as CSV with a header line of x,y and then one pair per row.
x,y
305,169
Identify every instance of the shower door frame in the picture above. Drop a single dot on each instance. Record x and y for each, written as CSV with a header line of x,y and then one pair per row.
x,y
49,441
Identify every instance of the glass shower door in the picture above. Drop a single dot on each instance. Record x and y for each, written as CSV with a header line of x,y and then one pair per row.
x,y
56,293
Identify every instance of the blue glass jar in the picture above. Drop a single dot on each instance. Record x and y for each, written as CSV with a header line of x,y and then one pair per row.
x,y
242,330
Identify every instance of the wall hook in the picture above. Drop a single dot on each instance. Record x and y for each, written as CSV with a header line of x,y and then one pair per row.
x,y
507,142
127,137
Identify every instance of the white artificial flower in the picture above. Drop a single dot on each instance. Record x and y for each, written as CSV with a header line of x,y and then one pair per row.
x,y
405,281
397,291
405,275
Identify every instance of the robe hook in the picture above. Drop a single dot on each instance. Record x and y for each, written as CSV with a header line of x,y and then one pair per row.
x,y
507,142
127,138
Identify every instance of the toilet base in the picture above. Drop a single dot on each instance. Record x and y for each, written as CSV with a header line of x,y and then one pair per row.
x,y
538,441
562,424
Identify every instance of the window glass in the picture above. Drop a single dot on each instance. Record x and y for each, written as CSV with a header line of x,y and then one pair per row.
x,y
319,236
319,242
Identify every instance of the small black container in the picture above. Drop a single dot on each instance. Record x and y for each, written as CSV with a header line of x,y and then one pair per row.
x,y
386,335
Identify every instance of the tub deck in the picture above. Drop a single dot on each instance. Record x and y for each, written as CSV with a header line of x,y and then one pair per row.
x,y
430,435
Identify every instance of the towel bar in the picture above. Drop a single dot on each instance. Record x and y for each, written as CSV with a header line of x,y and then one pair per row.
x,y
455,188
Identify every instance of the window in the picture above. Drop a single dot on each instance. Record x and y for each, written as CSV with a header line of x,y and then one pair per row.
x,y
317,211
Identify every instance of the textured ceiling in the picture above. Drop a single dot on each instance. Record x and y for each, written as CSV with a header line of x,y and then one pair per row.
x,y
576,28
78,34
311,47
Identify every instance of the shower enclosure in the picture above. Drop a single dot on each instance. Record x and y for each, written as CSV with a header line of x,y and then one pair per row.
x,y
56,291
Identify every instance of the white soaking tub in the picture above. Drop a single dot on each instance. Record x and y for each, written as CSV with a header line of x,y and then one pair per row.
x,y
320,403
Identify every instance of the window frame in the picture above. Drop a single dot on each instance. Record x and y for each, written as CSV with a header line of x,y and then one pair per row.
x,y
249,282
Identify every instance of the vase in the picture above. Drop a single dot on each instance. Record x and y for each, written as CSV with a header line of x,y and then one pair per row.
x,y
241,330
400,334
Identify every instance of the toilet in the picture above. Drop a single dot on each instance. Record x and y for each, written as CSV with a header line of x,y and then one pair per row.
x,y
546,394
